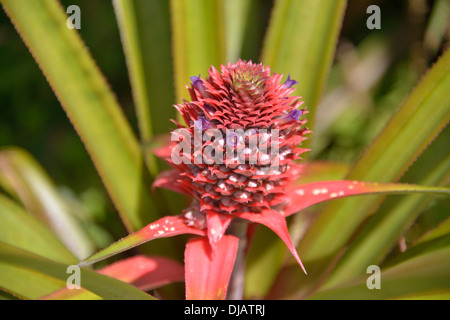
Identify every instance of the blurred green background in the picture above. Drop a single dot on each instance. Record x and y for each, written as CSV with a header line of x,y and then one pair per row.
x,y
373,71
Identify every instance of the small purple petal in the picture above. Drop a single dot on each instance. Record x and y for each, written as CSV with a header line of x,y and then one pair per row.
x,y
197,83
290,82
294,115
194,79
201,123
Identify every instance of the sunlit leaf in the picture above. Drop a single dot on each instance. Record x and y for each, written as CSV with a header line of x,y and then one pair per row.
x,y
384,230
146,37
301,41
291,283
40,196
263,261
142,272
101,285
24,283
23,230
405,137
419,270
145,32
237,16
165,227
442,229
90,105
198,40
266,253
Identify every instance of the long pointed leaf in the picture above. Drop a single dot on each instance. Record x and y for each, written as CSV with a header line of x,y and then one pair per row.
x,y
146,38
266,253
306,195
442,229
40,197
145,32
27,284
24,231
198,39
417,272
405,137
384,230
300,41
142,272
101,285
89,103
165,227
293,284
237,14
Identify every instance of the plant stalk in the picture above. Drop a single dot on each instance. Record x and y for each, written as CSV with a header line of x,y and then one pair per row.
x,y
238,228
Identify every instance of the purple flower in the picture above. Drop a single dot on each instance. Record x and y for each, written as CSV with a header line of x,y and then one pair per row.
x,y
294,115
197,83
290,82
195,79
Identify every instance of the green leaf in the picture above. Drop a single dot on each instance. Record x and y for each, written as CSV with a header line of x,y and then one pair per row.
x,y
417,271
198,39
237,16
265,257
394,218
433,295
291,283
300,41
165,227
322,171
104,287
405,137
442,229
27,284
145,32
146,38
90,105
23,230
437,25
267,253
40,196
6,296
141,271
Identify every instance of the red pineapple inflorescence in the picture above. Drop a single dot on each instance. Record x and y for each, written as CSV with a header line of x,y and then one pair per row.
x,y
236,155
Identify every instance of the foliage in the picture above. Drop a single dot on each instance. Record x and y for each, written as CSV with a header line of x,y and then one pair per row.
x,y
378,107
